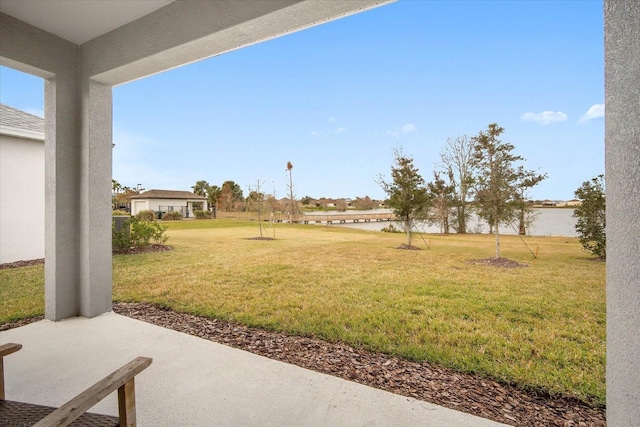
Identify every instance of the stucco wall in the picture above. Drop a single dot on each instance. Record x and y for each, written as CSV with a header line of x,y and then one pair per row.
x,y
21,199
622,134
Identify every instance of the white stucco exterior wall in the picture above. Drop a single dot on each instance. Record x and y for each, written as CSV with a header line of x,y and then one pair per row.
x,y
154,204
21,199
138,206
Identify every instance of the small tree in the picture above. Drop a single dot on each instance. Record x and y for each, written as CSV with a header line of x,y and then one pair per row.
x,y
524,210
456,162
442,195
255,202
591,216
497,179
408,196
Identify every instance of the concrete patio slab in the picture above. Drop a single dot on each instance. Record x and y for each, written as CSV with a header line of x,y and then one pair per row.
x,y
195,382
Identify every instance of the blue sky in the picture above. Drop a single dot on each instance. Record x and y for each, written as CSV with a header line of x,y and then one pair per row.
x,y
337,98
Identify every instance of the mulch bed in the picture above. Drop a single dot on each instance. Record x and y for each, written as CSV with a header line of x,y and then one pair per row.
x,y
498,262
21,322
128,251
143,249
18,264
462,392
260,238
408,247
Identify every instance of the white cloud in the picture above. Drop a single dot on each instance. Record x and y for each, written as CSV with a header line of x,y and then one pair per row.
x,y
314,133
544,118
332,119
340,130
595,112
408,128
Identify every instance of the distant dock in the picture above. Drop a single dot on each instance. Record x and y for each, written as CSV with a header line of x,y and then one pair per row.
x,y
338,218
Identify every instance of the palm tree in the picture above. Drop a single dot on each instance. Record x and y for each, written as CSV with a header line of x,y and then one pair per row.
x,y
289,167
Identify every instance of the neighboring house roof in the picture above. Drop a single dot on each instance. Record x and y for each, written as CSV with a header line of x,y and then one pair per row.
x,y
168,194
20,123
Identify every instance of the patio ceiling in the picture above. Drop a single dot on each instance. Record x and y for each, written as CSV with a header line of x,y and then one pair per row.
x,y
79,21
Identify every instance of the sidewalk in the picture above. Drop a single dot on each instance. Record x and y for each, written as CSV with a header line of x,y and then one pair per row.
x,y
195,382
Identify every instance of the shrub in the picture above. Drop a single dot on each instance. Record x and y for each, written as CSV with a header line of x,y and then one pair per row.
x,y
391,229
202,214
146,215
119,213
143,233
172,216
591,224
138,233
121,239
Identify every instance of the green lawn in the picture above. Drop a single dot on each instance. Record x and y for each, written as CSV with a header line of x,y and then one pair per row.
x,y
542,327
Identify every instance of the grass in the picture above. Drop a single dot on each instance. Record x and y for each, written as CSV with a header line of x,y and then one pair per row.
x,y
541,328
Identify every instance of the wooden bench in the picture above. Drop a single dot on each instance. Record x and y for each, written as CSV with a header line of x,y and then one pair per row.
x,y
73,413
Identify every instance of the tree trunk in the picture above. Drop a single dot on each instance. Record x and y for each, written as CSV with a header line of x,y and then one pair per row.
x,y
522,229
462,226
497,241
408,228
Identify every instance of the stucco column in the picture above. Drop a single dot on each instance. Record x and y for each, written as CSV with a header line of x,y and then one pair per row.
x,y
61,195
78,135
622,137
95,272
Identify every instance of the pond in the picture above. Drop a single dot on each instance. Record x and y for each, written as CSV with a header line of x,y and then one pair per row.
x,y
546,222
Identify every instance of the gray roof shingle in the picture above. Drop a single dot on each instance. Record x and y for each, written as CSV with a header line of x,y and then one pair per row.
x,y
11,117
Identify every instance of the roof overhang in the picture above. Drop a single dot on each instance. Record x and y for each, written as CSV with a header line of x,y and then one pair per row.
x,y
21,133
123,40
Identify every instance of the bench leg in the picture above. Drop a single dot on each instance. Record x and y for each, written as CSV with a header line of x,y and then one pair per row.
x,y
127,404
1,379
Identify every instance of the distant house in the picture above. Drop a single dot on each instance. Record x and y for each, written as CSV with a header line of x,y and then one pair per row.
x,y
548,204
21,185
574,203
163,201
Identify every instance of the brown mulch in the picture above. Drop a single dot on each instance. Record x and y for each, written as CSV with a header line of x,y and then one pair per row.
x,y
18,264
423,381
143,249
408,247
498,262
129,251
260,238
21,322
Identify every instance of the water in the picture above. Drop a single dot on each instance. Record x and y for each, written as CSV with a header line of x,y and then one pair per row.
x,y
547,222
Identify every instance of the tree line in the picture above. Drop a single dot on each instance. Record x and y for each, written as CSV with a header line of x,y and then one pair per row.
x,y
229,197
478,174
482,175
